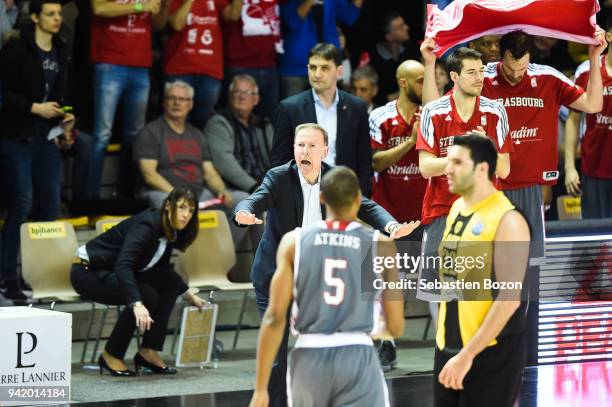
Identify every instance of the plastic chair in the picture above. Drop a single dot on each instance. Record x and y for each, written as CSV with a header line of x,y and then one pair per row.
x,y
47,252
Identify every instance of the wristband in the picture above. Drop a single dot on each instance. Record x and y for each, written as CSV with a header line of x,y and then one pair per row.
x,y
138,7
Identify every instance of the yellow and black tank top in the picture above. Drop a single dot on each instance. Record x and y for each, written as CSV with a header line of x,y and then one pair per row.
x,y
466,253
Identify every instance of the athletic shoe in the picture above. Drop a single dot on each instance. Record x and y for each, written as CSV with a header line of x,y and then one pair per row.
x,y
387,355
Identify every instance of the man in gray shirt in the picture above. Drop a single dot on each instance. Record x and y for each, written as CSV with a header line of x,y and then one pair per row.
x,y
240,141
170,152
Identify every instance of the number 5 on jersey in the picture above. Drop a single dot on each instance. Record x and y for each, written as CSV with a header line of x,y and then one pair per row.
x,y
335,283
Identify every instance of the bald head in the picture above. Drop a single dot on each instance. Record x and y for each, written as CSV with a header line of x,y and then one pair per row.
x,y
409,69
410,76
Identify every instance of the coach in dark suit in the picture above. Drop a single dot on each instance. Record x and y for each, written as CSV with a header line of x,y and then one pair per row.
x,y
290,194
342,115
129,264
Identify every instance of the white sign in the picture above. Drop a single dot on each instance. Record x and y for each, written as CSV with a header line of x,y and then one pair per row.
x,y
36,356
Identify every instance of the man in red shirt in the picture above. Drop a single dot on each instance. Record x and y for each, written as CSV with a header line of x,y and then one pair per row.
x,y
252,44
398,185
121,52
532,95
596,144
194,51
393,129
460,112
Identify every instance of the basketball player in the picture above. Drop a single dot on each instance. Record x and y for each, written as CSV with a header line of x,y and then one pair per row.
x,y
398,185
460,112
327,270
480,346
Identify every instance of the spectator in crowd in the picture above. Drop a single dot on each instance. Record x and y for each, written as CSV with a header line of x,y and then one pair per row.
x,y
398,185
130,265
194,50
488,46
364,84
552,52
596,145
344,80
252,44
170,152
306,23
290,195
8,18
240,141
393,47
343,116
443,82
121,51
460,112
35,91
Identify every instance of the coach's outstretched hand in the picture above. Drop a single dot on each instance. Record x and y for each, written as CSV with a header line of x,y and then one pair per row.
x,y
403,229
247,218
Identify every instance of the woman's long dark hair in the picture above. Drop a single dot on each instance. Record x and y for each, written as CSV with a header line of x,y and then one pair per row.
x,y
185,237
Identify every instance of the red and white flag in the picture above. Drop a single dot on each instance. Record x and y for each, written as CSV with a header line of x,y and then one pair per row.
x,y
464,20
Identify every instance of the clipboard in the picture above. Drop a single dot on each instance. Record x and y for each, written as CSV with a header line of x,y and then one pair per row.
x,y
197,336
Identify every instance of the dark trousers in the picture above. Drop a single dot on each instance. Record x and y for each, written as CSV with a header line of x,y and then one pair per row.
x,y
82,154
31,172
277,387
493,380
159,288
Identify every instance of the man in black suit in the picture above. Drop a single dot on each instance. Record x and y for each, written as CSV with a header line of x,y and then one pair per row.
x,y
290,194
342,115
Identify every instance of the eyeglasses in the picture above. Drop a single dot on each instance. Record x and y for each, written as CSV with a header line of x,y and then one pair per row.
x,y
243,93
173,99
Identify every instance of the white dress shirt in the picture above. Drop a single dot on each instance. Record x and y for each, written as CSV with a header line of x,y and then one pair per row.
x,y
163,243
328,119
312,203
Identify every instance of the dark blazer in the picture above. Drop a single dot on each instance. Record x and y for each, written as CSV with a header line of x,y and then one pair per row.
x,y
280,194
353,147
127,248
23,83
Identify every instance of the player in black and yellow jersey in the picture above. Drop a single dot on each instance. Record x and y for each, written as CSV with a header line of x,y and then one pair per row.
x,y
480,352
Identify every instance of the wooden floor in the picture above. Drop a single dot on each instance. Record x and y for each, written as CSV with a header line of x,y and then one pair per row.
x,y
569,385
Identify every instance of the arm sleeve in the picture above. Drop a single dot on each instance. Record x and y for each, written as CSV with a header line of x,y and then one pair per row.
x,y
376,139
10,65
261,200
146,145
502,140
221,140
426,139
373,214
364,151
568,90
136,239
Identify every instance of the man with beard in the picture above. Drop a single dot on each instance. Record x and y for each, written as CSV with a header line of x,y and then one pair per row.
x,y
462,111
480,343
397,184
